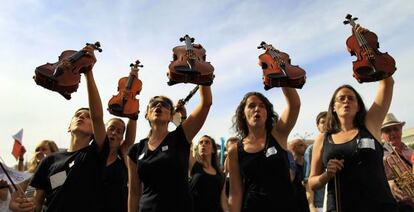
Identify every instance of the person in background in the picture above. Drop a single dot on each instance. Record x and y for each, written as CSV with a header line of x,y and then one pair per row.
x,y
206,178
297,147
315,197
230,141
391,131
115,184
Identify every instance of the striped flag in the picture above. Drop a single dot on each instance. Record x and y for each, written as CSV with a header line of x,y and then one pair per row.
x,y
18,146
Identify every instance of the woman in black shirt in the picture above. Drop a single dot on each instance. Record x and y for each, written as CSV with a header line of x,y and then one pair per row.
x,y
160,162
259,167
207,180
349,157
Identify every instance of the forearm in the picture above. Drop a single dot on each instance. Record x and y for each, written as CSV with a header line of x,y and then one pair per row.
x,y
206,96
317,182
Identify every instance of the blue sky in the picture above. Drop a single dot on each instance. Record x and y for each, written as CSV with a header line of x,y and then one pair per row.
x,y
35,32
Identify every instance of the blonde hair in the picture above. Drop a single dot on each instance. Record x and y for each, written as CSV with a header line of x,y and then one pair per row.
x,y
33,163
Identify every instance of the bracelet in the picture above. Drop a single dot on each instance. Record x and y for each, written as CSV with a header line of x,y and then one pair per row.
x,y
21,159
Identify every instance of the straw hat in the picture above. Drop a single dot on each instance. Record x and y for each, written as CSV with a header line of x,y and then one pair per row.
x,y
390,120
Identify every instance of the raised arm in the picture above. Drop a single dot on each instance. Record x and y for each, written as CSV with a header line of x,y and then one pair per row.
x,y
288,117
130,134
195,121
378,110
134,188
95,107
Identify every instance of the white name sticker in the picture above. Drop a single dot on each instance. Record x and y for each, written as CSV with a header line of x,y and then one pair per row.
x,y
164,148
366,143
57,179
141,156
271,151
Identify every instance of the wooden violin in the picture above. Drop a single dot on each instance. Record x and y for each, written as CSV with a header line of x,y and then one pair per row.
x,y
64,75
371,64
277,70
189,64
124,104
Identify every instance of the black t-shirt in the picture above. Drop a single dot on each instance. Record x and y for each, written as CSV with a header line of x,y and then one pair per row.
x,y
362,182
206,189
72,181
115,187
299,190
164,173
266,178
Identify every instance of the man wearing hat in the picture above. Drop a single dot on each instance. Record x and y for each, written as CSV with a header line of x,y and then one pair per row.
x,y
391,131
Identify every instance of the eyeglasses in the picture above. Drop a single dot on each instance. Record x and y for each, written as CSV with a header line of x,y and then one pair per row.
x,y
343,98
163,103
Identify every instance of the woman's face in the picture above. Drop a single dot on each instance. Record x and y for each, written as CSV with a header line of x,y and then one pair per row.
x,y
205,147
346,103
159,109
255,112
115,132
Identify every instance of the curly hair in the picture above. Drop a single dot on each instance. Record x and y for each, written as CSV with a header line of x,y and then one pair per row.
x,y
239,121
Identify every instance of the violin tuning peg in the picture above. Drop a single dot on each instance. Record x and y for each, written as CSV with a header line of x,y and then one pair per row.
x,y
98,44
192,40
131,65
346,22
355,19
348,16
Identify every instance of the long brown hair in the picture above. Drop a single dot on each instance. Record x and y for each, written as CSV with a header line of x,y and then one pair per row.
x,y
332,120
214,157
239,120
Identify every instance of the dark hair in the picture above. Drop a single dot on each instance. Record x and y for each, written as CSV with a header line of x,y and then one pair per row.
x,y
214,156
239,120
117,119
321,115
332,121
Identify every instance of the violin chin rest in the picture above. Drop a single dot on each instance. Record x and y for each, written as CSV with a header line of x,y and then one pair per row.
x,y
186,70
277,76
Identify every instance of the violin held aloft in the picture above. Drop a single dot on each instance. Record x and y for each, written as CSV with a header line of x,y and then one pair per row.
x,y
371,64
124,104
189,64
277,70
64,75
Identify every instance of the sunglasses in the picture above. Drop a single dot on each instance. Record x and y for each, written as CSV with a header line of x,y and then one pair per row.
x,y
163,103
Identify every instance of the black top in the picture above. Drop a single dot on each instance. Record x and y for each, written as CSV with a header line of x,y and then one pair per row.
x,y
72,181
115,187
299,190
164,173
362,182
266,178
206,189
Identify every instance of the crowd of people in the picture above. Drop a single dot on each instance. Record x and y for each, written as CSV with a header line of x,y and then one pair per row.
x,y
349,167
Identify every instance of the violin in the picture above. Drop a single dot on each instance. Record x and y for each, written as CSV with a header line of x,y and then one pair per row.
x,y
189,64
371,64
124,104
64,75
277,69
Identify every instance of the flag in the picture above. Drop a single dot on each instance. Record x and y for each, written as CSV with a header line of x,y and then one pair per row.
x,y
17,147
15,175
